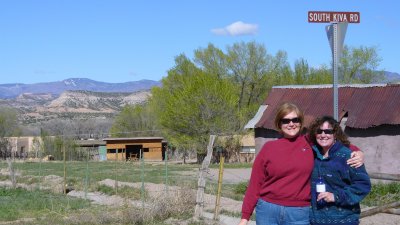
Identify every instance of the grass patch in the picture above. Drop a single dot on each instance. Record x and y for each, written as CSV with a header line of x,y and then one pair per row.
x,y
123,191
233,165
241,188
105,189
382,193
232,191
4,177
20,203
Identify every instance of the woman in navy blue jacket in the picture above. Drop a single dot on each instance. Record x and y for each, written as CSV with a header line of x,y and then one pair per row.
x,y
336,188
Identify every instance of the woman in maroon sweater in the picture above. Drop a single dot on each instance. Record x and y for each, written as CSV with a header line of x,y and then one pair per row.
x,y
279,186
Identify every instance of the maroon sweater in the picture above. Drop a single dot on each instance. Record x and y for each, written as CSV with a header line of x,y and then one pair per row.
x,y
280,175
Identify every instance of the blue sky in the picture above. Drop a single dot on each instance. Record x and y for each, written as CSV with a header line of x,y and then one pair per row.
x,y
120,41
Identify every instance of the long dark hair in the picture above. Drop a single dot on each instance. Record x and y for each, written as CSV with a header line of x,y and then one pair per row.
x,y
337,130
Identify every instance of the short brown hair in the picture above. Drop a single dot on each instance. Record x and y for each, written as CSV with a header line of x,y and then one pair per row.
x,y
285,109
337,130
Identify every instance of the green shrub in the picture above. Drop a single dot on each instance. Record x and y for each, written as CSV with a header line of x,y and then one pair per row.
x,y
105,189
383,193
241,188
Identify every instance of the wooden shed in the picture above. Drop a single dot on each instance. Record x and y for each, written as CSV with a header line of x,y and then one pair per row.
x,y
124,149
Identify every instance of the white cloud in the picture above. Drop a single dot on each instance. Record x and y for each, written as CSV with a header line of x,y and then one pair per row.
x,y
236,29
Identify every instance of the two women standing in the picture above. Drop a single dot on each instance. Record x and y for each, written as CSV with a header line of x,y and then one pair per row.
x,y
280,184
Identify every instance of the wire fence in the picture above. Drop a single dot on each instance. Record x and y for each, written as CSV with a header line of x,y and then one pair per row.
x,y
112,183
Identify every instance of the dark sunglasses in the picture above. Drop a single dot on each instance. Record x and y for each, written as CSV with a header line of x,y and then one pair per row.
x,y
326,131
287,121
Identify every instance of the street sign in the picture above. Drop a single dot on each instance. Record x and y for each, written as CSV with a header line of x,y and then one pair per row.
x,y
341,29
333,17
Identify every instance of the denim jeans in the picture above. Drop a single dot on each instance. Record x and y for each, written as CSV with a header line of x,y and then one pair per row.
x,y
272,214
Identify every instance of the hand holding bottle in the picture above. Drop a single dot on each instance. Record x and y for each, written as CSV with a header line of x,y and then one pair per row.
x,y
326,196
321,188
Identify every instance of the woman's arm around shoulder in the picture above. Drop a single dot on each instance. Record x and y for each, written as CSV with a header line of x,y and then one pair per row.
x,y
357,157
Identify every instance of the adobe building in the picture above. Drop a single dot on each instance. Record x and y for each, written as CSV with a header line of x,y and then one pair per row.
x,y
369,115
135,148
24,147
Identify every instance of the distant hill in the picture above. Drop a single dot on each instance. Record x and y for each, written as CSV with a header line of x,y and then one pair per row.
x,y
392,77
73,98
8,91
34,108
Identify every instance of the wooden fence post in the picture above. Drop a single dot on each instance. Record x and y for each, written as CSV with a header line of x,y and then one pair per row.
x,y
220,176
379,209
384,176
201,183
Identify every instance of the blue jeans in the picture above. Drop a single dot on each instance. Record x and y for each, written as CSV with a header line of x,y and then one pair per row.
x,y
272,214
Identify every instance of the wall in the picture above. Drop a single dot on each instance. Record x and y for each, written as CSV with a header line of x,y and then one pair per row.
x,y
262,136
381,146
154,153
23,147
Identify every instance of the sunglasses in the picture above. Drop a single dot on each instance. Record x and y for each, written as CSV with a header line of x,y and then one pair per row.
x,y
293,120
326,131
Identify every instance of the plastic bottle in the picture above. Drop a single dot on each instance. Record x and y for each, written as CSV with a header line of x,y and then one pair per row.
x,y
321,187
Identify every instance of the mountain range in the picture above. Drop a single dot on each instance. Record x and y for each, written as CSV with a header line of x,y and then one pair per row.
x,y
8,91
391,77
73,98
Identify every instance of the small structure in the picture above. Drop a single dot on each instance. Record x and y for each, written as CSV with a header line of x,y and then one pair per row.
x,y
131,149
369,115
95,149
248,148
24,147
242,147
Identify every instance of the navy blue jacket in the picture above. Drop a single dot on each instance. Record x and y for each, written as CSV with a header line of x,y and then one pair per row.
x,y
349,186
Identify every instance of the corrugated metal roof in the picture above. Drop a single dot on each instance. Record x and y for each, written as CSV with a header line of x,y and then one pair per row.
x,y
366,105
256,118
89,143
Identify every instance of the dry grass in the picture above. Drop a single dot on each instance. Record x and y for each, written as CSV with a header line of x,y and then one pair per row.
x,y
175,208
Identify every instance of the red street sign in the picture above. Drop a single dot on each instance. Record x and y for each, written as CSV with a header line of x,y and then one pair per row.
x,y
330,17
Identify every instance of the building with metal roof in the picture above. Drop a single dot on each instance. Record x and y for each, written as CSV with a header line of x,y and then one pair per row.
x,y
369,114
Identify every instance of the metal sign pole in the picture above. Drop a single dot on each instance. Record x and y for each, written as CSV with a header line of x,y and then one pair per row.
x,y
335,72
336,33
